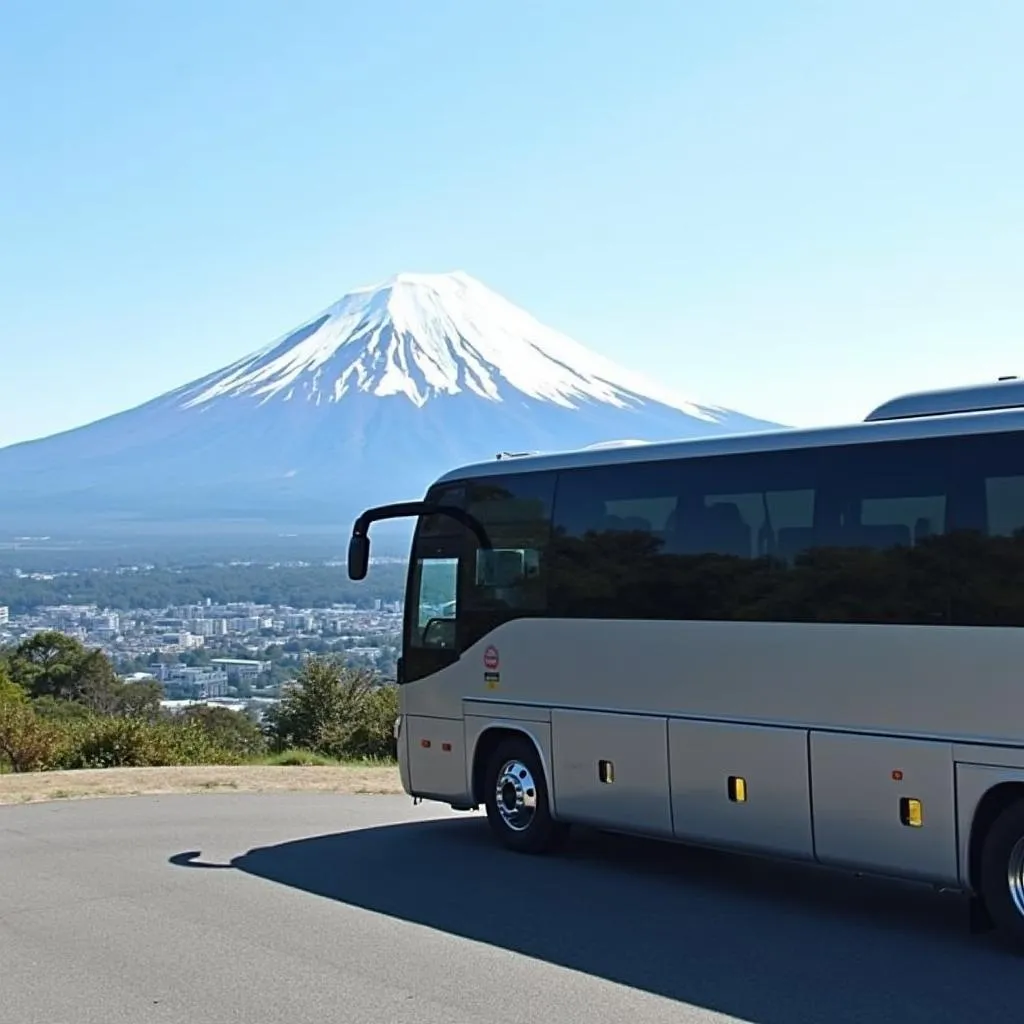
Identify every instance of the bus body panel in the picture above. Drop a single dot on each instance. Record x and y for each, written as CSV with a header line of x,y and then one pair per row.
x,y
858,786
611,771
787,439
880,679
768,809
403,752
500,711
437,756
995,757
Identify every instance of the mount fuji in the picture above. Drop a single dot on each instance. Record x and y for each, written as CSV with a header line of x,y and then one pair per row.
x,y
363,404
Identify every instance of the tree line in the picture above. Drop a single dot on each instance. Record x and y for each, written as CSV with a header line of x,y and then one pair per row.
x,y
314,586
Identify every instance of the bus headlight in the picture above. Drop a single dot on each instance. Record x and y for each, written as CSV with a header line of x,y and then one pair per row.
x,y
398,727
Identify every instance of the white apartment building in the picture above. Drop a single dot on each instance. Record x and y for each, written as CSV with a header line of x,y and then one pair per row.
x,y
242,669
186,641
203,681
248,624
208,627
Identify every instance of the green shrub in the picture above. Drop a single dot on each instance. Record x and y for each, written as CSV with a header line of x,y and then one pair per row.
x,y
227,729
368,732
10,691
27,742
341,712
134,743
51,709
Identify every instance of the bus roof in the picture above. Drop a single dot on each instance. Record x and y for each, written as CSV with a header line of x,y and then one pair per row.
x,y
886,423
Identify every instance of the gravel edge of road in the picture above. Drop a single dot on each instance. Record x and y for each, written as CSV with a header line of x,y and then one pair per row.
x,y
37,787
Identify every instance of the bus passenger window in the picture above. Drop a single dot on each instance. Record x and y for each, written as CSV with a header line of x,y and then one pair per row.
x,y
986,551
615,528
436,580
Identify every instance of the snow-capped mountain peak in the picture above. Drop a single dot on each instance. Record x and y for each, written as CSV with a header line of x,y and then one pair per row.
x,y
425,335
366,403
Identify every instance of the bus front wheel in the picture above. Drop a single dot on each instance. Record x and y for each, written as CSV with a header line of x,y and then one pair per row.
x,y
1002,873
516,798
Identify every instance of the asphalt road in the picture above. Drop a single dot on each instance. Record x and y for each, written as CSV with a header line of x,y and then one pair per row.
x,y
288,909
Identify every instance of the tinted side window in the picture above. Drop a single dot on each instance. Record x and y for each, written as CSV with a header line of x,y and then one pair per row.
x,y
986,550
442,525
615,528
510,580
844,534
881,556
746,523
833,534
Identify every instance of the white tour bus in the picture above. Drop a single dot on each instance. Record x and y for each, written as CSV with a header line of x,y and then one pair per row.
x,y
800,643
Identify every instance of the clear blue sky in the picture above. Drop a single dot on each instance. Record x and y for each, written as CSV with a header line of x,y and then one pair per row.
x,y
793,208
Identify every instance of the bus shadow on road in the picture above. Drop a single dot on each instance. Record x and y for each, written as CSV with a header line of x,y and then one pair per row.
x,y
767,942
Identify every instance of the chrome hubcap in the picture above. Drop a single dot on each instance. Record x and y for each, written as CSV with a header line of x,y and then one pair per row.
x,y
1015,875
516,794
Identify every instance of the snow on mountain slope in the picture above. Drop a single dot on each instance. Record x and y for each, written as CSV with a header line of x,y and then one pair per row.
x,y
365,403
423,335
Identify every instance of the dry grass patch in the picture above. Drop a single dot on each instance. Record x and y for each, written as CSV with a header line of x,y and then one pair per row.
x,y
95,782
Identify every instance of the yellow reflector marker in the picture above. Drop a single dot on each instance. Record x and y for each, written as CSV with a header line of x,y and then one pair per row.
x,y
737,789
911,812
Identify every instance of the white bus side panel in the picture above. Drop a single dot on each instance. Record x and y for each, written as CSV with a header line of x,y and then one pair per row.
x,y
858,783
437,757
774,817
631,790
897,680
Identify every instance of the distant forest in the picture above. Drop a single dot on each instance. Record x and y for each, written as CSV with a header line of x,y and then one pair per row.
x,y
315,586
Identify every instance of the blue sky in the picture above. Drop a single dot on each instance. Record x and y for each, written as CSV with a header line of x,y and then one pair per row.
x,y
795,208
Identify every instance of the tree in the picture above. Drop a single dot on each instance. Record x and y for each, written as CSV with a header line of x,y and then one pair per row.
x,y
227,729
47,664
55,665
126,700
335,710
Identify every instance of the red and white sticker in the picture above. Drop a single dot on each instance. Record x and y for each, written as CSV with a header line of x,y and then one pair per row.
x,y
491,659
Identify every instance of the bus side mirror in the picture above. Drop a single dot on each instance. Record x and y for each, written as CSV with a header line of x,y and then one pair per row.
x,y
358,556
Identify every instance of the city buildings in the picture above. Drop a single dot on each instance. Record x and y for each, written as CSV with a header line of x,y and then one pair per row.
x,y
210,651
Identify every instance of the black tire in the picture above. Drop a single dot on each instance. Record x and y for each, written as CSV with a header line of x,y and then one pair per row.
x,y
1002,874
537,831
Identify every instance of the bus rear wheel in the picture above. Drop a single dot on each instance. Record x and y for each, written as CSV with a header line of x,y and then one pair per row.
x,y
1002,874
516,798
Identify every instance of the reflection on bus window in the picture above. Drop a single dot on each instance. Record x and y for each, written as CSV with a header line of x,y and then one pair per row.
x,y
436,602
